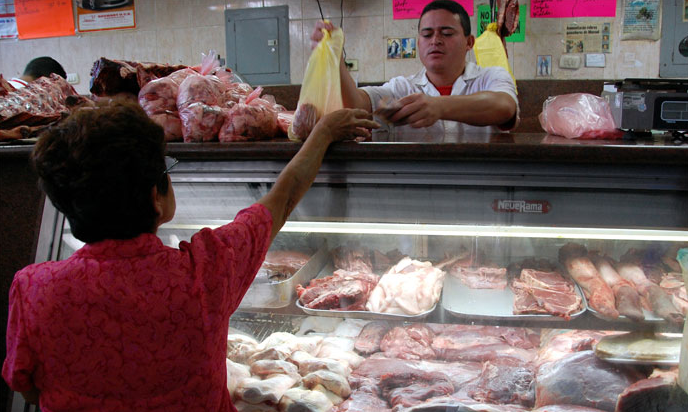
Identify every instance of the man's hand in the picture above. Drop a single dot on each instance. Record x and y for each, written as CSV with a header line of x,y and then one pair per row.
x,y
418,110
346,124
317,34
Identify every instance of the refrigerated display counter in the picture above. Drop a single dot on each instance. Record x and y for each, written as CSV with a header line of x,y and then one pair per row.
x,y
505,209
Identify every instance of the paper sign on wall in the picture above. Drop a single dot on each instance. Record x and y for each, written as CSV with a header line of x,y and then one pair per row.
x,y
411,9
40,18
122,17
518,36
8,22
572,8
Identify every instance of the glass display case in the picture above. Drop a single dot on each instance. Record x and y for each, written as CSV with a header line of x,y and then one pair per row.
x,y
506,215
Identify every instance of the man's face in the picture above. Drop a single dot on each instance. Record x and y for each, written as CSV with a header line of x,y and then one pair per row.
x,y
442,46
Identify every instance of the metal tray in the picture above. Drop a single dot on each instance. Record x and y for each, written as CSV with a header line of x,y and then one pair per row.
x,y
281,294
625,360
462,301
327,270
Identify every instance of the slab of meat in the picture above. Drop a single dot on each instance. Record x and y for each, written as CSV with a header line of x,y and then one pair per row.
x,y
368,341
342,291
112,77
481,278
410,287
361,401
301,400
5,86
582,379
673,284
558,344
600,296
282,264
505,384
255,391
42,102
626,296
477,344
566,408
659,392
452,403
657,298
545,292
412,387
410,342
352,257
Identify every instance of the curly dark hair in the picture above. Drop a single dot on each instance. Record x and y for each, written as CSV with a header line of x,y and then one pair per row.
x,y
98,167
44,66
454,8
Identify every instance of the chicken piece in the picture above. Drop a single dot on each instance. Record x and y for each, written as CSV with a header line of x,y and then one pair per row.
x,y
268,367
248,407
298,357
626,296
314,364
235,373
336,400
257,391
301,400
294,343
330,350
334,382
280,352
241,347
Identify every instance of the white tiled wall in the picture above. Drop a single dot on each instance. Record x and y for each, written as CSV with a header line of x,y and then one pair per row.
x,y
178,31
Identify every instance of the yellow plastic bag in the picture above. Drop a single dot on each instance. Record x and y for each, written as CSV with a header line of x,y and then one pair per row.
x,y
321,91
489,50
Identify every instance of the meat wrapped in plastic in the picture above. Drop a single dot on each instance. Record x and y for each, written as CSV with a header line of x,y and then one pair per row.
x,y
158,98
198,103
305,118
578,116
251,119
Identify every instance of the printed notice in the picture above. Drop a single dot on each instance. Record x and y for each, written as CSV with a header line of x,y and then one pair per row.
x,y
8,22
641,20
572,8
588,38
411,9
94,19
43,18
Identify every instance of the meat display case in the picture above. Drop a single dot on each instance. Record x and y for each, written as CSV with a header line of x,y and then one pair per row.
x,y
508,197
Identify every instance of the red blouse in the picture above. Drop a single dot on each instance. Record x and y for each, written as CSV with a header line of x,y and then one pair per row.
x,y
133,325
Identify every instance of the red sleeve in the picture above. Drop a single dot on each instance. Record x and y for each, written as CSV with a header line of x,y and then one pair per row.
x,y
21,360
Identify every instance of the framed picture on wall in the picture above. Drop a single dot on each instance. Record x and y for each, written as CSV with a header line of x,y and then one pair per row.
x,y
408,48
393,48
543,67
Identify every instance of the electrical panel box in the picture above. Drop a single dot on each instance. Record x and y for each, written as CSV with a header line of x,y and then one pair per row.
x,y
673,56
258,44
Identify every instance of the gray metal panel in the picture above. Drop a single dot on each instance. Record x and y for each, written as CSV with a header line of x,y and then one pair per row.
x,y
673,58
258,44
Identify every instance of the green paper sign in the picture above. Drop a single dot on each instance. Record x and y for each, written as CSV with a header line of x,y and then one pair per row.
x,y
519,35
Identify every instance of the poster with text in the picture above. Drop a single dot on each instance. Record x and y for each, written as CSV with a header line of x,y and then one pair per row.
x,y
8,22
572,8
112,15
588,38
518,36
411,9
641,20
37,19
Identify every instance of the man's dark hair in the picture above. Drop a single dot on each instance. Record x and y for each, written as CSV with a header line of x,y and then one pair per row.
x,y
44,66
99,166
454,8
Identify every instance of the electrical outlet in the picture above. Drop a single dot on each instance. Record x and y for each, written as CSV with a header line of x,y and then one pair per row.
x,y
72,78
568,61
351,65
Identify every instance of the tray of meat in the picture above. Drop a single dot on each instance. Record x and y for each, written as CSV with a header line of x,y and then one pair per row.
x,y
534,295
275,283
409,290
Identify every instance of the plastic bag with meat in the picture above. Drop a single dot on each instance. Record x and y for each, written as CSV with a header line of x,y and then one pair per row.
x,y
158,98
251,119
578,116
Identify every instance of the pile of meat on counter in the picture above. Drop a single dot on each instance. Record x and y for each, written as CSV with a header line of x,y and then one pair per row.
x,y
640,280
25,112
196,104
359,367
407,287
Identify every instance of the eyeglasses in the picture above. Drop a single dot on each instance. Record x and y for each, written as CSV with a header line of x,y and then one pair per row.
x,y
170,162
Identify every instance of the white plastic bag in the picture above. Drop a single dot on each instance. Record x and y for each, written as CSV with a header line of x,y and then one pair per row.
x,y
578,116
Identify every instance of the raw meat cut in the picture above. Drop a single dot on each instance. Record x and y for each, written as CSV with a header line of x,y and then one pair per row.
x,y
659,392
361,401
235,373
112,77
268,367
481,278
280,352
582,379
566,408
282,264
305,118
412,387
479,344
241,347
284,120
600,296
658,300
558,344
307,366
43,101
198,102
410,287
626,297
352,257
545,292
673,284
410,342
368,341
332,350
252,118
342,291
505,384
256,391
248,407
294,343
300,400
334,382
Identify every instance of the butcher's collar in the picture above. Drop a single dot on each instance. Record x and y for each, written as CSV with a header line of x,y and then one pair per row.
x,y
469,73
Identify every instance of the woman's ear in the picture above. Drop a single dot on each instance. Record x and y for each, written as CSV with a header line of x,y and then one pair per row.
x,y
158,201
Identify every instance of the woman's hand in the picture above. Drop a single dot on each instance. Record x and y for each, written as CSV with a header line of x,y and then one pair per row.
x,y
346,124
317,34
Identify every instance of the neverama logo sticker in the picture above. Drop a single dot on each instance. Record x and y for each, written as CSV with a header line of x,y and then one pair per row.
x,y
521,206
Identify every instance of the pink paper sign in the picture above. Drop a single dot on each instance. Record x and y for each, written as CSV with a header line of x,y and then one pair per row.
x,y
411,9
572,8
